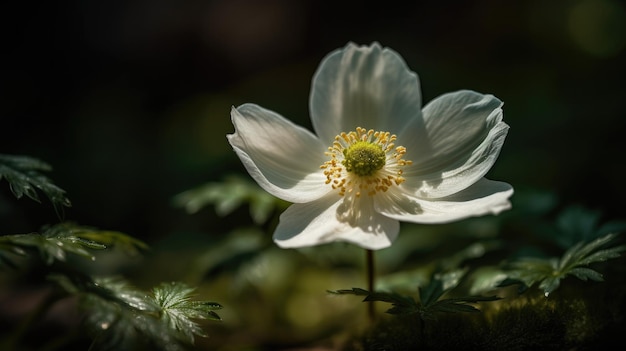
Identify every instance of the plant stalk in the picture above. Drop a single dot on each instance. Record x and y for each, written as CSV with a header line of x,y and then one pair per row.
x,y
370,282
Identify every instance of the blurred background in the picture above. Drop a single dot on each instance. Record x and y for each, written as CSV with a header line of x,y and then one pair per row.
x,y
129,101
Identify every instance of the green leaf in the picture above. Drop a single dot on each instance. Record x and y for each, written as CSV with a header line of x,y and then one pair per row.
x,y
431,292
401,304
548,272
227,196
24,176
430,297
51,248
56,241
430,303
125,318
586,274
122,317
178,310
353,291
111,239
121,291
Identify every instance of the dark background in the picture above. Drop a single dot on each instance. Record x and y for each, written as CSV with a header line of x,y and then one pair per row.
x,y
129,101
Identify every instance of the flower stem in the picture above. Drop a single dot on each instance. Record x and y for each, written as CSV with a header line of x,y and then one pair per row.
x,y
370,281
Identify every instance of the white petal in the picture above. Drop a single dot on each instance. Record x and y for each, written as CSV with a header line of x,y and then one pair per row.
x,y
363,86
282,157
483,197
316,223
465,134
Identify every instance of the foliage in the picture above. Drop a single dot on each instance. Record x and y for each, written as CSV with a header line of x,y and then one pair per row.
x,y
56,241
125,318
24,176
548,272
177,310
430,300
227,196
121,317
168,317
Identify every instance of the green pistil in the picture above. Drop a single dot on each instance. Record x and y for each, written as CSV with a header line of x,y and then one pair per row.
x,y
363,158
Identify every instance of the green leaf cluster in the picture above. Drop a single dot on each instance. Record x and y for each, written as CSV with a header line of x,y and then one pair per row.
x,y
56,241
430,302
122,317
25,177
548,272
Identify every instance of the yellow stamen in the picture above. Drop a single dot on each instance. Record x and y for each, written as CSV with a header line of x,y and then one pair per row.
x,y
364,162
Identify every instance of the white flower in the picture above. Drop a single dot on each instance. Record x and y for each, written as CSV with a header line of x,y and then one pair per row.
x,y
376,157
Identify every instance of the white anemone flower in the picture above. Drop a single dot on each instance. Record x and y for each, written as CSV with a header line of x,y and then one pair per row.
x,y
376,157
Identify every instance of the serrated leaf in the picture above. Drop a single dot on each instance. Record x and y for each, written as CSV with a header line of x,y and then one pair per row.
x,y
548,273
56,241
450,306
586,273
112,239
406,305
51,248
60,239
434,304
602,255
402,304
431,292
178,310
125,318
120,290
353,291
581,250
24,177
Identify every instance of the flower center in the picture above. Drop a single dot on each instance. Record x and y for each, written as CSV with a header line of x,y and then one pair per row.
x,y
364,162
364,158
